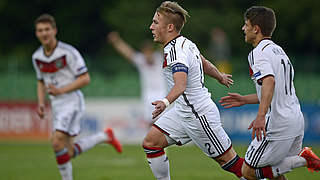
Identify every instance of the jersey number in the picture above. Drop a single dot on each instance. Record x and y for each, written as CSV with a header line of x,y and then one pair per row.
x,y
287,69
210,151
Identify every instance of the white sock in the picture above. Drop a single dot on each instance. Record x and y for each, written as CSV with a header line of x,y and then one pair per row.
x,y
160,167
287,165
89,142
66,170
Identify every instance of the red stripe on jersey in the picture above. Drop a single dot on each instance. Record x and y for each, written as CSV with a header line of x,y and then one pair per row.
x,y
250,71
53,66
165,61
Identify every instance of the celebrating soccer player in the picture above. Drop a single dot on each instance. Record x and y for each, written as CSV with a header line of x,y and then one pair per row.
x,y
61,72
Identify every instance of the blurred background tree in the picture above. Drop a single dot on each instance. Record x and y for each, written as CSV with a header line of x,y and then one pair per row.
x,y
85,24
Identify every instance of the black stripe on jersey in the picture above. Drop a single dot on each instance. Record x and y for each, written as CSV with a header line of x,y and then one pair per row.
x,y
214,137
183,43
258,159
266,46
258,153
190,105
252,58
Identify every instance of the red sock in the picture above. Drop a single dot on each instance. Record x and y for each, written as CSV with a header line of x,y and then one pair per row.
x,y
264,172
234,166
62,156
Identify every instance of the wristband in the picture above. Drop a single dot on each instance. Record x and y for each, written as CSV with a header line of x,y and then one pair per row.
x,y
165,101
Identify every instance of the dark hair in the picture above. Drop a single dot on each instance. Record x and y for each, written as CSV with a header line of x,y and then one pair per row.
x,y
46,18
175,13
263,17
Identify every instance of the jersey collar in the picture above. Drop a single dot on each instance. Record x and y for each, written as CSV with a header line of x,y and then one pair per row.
x,y
171,40
263,40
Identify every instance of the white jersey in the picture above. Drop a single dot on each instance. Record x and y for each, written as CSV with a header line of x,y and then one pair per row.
x,y
183,55
284,118
59,69
151,78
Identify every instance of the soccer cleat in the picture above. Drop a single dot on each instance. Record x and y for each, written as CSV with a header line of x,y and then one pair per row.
x,y
112,140
313,161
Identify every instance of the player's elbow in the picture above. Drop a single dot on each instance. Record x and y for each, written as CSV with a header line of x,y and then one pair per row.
x,y
85,79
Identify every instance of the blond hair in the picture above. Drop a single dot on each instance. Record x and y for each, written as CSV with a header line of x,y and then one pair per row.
x,y
175,14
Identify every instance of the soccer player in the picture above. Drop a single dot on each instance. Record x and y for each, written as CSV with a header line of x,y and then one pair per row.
x,y
194,116
61,72
278,129
148,62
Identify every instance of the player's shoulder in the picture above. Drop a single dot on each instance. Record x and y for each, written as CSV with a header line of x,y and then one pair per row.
x,y
66,46
37,52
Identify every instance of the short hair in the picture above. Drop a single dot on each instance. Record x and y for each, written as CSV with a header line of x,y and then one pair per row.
x,y
262,16
46,18
175,14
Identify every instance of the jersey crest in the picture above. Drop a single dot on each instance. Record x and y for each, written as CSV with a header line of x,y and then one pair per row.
x,y
53,66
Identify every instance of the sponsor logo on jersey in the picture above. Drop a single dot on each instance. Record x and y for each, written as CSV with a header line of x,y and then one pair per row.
x,y
53,66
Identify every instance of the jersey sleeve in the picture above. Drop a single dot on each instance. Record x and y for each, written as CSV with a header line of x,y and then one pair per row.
x,y
36,68
177,60
138,59
262,67
76,63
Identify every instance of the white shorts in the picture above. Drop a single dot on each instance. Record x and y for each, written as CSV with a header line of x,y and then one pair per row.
x,y
206,132
67,116
271,152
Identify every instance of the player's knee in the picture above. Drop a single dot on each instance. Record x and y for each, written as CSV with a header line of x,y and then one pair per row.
x,y
58,143
149,142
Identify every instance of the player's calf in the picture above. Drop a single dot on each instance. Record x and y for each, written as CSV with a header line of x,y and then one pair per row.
x,y
234,166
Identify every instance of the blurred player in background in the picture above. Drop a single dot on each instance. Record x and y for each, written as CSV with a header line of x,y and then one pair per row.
x,y
61,72
278,129
194,116
148,62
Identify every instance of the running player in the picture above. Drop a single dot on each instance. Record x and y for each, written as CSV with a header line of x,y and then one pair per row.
x,y
194,116
278,129
148,62
61,72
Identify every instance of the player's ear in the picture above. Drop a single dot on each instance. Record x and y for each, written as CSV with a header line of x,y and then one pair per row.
x,y
55,30
256,29
171,27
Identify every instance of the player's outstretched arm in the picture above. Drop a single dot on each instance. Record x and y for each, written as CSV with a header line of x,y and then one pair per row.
x,y
212,71
80,82
236,100
121,46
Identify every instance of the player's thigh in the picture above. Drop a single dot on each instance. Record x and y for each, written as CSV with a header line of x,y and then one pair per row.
x,y
267,152
67,118
296,146
207,133
170,125
155,138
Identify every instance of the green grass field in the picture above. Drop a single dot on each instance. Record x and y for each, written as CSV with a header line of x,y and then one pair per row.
x,y
33,161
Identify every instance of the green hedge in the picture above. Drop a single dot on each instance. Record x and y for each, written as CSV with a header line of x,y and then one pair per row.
x,y
22,86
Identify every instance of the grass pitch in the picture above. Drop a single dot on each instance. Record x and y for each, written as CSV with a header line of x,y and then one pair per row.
x,y
36,161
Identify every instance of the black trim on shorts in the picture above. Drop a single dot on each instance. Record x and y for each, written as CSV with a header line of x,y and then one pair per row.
x,y
213,138
258,154
205,125
66,133
161,130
